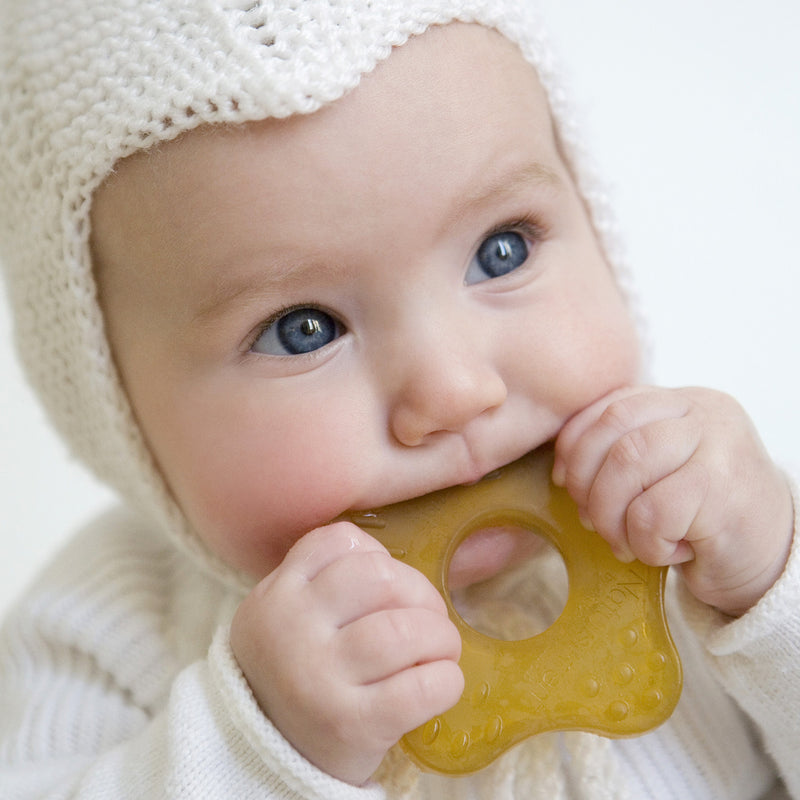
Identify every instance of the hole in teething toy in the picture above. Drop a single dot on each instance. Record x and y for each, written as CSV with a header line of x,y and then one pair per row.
x,y
508,582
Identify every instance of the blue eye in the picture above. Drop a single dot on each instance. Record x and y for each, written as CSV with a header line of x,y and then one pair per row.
x,y
298,331
498,255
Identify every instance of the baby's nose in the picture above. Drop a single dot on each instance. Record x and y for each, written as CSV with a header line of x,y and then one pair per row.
x,y
444,390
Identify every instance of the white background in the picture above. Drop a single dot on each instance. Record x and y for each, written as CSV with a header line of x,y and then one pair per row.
x,y
692,110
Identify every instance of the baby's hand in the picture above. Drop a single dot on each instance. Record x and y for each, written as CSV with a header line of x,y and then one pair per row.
x,y
680,477
346,649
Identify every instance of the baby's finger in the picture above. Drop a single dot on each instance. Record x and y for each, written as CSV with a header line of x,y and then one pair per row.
x,y
659,521
576,427
380,645
367,581
410,698
623,415
635,462
322,546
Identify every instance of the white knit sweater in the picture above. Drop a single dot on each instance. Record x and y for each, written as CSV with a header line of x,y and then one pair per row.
x,y
116,681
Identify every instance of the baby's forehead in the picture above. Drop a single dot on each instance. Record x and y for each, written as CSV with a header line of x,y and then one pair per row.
x,y
446,62
453,86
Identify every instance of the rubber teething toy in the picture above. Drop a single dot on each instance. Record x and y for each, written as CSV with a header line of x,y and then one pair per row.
x,y
606,665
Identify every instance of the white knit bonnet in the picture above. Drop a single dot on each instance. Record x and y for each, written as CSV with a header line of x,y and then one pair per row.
x,y
84,83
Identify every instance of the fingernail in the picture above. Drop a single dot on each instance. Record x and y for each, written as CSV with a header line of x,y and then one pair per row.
x,y
585,521
624,555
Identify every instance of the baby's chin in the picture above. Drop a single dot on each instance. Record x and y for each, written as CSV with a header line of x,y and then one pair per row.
x,y
488,552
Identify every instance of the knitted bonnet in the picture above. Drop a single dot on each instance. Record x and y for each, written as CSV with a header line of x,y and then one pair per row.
x,y
84,83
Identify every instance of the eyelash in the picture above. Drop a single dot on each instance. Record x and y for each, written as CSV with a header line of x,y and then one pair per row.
x,y
528,225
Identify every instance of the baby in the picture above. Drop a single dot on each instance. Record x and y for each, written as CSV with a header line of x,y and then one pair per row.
x,y
344,254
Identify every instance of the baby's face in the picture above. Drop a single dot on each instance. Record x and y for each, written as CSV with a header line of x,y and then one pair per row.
x,y
398,293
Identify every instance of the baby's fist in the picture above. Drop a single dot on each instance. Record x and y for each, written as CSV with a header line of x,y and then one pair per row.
x,y
680,476
347,649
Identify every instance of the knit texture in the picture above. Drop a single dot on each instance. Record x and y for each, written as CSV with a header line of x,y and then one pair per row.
x,y
84,83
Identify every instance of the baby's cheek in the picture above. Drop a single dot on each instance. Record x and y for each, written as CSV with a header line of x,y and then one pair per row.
x,y
245,524
251,516
606,353
590,359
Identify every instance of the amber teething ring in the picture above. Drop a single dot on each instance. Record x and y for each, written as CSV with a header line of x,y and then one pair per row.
x,y
607,664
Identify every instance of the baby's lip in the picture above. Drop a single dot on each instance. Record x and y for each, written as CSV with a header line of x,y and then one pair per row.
x,y
485,472
444,487
492,472
486,476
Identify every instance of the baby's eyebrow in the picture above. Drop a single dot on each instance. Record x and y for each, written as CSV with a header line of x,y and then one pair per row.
x,y
256,285
533,173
